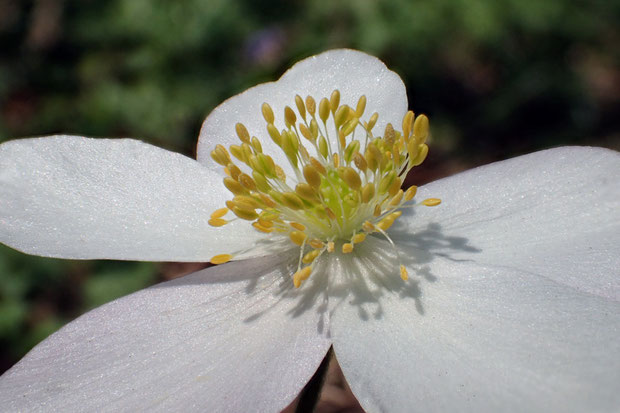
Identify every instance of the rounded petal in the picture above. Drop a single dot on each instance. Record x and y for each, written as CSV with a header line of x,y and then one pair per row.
x,y
74,197
555,213
229,338
472,338
353,73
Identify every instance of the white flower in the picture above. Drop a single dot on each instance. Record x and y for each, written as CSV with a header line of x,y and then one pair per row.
x,y
512,301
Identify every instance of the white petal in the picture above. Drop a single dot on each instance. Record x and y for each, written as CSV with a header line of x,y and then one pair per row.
x,y
230,338
74,197
353,73
472,338
554,213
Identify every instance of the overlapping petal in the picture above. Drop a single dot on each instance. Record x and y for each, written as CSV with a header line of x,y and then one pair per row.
x,y
478,339
554,213
353,73
229,338
74,197
512,305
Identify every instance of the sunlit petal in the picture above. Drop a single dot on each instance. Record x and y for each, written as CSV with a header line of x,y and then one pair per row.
x,y
229,338
353,73
74,197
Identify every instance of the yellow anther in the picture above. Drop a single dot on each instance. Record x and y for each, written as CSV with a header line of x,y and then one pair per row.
x,y
323,147
341,115
410,193
421,156
262,228
395,187
237,152
267,200
351,150
387,222
373,152
289,116
310,105
350,177
292,200
261,181
334,100
420,128
297,226
264,222
299,102
219,213
316,243
311,256
305,132
256,145
274,134
360,161
246,200
324,109
247,151
403,273
368,192
386,182
431,202
347,248
395,201
342,139
318,166
357,238
312,175
248,215
268,216
301,275
297,237
361,106
220,258
234,186
372,121
233,171
242,133
290,144
247,181
268,113
407,124
389,135
218,222
220,155
368,226
280,173
336,160
331,246
314,128
226,171
306,192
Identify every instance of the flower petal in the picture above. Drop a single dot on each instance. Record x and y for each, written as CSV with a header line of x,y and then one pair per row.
x,y
554,213
353,73
229,338
475,339
74,197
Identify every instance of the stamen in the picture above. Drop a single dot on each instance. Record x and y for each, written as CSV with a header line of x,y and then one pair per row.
x,y
219,213
221,258
337,194
431,202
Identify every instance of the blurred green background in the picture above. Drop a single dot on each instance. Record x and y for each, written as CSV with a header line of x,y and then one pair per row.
x,y
498,78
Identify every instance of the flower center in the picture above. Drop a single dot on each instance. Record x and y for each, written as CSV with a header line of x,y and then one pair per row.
x,y
339,193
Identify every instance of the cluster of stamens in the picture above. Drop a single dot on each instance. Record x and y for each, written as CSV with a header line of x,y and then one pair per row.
x,y
341,194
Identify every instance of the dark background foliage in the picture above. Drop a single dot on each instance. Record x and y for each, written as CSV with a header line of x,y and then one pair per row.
x,y
498,78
